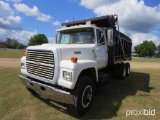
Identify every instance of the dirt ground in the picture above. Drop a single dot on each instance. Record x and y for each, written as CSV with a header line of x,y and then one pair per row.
x,y
15,62
9,62
145,65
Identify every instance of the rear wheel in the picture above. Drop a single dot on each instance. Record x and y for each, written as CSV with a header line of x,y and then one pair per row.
x,y
82,95
127,69
121,71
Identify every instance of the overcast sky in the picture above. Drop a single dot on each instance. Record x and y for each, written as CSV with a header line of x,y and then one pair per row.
x,y
21,19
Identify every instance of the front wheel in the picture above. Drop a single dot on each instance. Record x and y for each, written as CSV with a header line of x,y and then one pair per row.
x,y
82,95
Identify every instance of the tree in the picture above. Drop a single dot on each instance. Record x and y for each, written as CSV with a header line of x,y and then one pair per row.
x,y
8,42
158,51
38,40
158,48
20,46
14,44
137,49
145,49
11,43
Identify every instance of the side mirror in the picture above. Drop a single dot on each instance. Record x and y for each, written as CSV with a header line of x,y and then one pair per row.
x,y
110,37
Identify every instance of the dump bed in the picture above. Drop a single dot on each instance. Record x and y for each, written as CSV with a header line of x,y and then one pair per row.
x,y
103,21
122,47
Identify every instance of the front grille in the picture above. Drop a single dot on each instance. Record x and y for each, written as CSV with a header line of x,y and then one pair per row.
x,y
40,63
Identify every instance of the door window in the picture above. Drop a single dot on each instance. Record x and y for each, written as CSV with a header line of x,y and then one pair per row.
x,y
100,37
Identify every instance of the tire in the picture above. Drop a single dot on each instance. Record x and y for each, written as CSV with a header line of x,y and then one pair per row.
x,y
127,69
82,95
121,71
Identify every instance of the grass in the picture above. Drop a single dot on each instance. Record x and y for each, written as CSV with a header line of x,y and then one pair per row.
x,y
17,103
11,53
139,91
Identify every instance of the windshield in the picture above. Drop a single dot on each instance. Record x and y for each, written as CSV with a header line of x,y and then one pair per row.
x,y
77,36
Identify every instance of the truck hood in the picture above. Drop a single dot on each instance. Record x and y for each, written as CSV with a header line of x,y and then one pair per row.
x,y
81,51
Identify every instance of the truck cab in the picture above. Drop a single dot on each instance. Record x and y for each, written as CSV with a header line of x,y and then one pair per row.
x,y
70,70
86,35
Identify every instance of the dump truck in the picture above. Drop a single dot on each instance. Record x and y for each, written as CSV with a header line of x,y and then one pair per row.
x,y
86,54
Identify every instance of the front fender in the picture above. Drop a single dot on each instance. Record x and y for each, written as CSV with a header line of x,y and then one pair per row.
x,y
75,69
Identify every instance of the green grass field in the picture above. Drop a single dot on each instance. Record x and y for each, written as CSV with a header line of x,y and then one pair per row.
x,y
11,53
141,90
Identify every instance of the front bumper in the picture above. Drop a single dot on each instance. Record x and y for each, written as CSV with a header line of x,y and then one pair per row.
x,y
47,91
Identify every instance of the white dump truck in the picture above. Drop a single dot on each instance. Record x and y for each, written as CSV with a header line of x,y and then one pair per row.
x,y
86,54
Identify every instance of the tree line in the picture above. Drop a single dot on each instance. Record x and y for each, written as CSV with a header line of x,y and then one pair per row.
x,y
34,40
13,44
147,49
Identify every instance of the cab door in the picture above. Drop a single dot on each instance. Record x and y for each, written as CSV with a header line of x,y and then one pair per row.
x,y
102,49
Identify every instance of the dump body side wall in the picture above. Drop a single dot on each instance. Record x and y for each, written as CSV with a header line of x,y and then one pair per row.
x,y
121,50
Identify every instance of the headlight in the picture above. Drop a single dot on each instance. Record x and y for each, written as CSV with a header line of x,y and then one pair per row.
x,y
67,75
23,65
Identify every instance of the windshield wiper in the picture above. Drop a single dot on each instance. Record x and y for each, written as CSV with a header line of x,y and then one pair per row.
x,y
81,42
68,43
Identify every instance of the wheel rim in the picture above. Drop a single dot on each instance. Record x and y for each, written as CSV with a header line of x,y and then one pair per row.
x,y
87,96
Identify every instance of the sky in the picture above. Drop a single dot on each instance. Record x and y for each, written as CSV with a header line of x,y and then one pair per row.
x,y
21,19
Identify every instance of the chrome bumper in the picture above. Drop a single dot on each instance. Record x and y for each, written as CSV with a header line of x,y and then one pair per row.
x,y
47,91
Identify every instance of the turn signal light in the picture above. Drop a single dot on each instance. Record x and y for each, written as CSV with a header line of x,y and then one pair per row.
x,y
74,59
23,54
